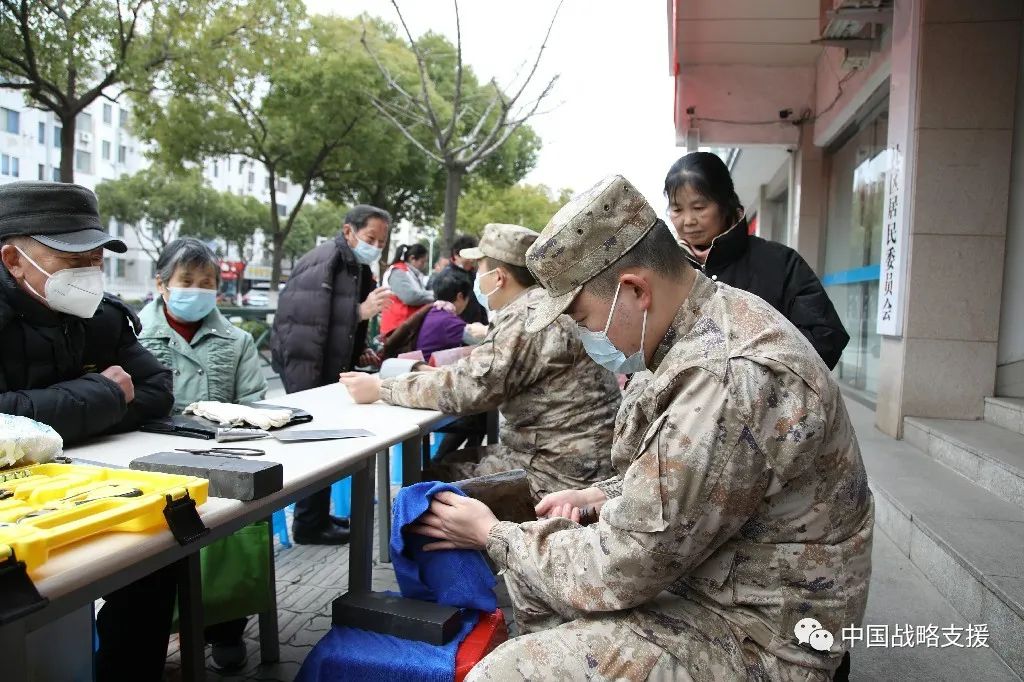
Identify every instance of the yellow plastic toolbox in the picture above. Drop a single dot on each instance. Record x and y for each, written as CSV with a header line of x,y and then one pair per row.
x,y
46,506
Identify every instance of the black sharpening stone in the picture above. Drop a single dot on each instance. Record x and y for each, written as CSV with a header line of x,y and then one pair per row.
x,y
236,479
397,616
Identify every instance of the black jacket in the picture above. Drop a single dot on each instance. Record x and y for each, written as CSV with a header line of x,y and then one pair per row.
x,y
474,312
50,365
780,276
317,332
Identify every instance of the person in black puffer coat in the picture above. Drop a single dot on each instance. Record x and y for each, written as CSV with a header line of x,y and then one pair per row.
x,y
709,221
69,357
320,331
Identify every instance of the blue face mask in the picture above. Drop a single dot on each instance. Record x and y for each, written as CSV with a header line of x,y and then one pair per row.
x,y
480,295
602,351
365,253
190,305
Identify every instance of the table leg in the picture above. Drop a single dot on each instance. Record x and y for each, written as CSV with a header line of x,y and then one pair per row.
x,y
361,540
13,651
412,460
270,643
190,619
384,506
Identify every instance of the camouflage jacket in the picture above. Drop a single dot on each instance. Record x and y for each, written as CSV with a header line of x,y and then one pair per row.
x,y
741,487
559,406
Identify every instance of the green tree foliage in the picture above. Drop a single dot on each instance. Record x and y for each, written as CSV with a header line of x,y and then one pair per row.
x,y
66,54
155,202
527,205
162,205
289,93
320,219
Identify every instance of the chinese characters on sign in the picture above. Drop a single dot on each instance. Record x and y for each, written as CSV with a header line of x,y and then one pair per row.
x,y
890,308
927,636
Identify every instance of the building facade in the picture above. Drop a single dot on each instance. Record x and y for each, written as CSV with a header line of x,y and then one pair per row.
x,y
105,149
861,120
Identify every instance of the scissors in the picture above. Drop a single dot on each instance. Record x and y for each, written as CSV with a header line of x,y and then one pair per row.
x,y
233,453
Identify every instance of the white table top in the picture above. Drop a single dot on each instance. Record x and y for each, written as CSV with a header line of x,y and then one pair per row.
x,y
305,464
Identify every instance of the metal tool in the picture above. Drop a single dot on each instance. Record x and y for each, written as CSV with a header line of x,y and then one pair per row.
x,y
228,435
89,491
232,453
134,492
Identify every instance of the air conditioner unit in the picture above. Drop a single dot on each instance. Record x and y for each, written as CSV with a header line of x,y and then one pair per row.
x,y
84,138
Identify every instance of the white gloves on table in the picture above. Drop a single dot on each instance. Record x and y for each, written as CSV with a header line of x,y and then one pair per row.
x,y
227,414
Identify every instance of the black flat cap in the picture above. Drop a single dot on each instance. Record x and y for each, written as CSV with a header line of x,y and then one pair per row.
x,y
61,216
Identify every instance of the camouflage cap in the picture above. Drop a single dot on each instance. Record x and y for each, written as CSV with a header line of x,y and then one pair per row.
x,y
507,243
588,234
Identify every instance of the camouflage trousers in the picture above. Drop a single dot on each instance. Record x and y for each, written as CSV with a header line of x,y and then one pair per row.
x,y
490,459
560,644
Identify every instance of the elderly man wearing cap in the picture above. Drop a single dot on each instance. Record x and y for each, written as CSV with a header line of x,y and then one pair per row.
x,y
69,357
559,407
741,511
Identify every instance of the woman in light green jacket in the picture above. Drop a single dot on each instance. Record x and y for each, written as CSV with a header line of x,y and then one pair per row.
x,y
211,359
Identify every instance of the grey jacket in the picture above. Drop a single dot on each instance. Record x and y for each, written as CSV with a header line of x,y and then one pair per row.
x,y
408,287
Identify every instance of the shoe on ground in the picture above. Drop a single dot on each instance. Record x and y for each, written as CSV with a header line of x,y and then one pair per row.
x,y
331,535
340,521
229,657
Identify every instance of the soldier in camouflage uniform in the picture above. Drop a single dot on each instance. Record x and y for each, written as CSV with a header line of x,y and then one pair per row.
x,y
741,505
559,407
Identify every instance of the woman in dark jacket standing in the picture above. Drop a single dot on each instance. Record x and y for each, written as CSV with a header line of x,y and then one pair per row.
x,y
708,218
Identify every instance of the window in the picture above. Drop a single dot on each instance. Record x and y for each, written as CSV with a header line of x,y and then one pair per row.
x,y
122,154
108,114
106,150
282,210
119,267
123,118
229,164
42,133
282,186
84,122
216,169
853,250
56,174
241,166
11,120
83,161
56,136
42,172
119,228
9,165
252,179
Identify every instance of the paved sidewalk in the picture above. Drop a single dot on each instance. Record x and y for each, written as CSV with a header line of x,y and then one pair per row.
x,y
309,578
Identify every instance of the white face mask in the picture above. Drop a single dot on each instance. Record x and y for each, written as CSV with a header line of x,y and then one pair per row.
x,y
366,253
75,291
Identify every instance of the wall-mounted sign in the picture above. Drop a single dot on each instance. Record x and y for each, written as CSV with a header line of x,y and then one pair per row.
x,y
894,249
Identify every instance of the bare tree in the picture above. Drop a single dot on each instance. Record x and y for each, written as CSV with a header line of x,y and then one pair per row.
x,y
456,141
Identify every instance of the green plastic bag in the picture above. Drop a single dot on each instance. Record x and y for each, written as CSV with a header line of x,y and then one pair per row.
x,y
236,575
